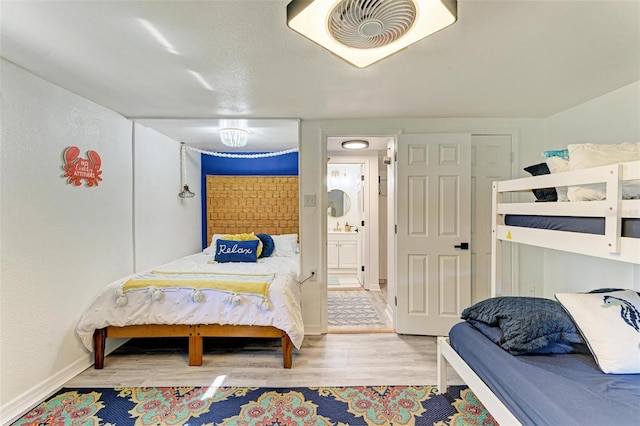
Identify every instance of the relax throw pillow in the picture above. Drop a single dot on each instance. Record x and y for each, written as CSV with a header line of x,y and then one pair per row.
x,y
236,251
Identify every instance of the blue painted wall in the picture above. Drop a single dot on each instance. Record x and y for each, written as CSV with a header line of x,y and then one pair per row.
x,y
281,165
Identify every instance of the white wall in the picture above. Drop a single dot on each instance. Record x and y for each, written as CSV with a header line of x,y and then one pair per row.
x,y
62,244
612,118
530,136
166,227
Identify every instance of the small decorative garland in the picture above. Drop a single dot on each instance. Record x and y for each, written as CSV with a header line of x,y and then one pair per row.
x,y
229,155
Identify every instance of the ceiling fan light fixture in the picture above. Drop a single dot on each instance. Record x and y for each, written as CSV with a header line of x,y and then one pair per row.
x,y
363,32
233,137
355,144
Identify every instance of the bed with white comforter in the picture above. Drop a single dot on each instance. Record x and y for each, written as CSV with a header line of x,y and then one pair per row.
x,y
184,305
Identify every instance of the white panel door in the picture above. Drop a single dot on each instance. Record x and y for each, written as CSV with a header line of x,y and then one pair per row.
x,y
490,161
391,226
360,243
434,222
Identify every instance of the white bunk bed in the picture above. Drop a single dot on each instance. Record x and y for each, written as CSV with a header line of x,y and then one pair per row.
x,y
610,245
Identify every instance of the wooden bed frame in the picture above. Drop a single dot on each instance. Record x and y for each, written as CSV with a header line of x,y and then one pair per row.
x,y
195,333
609,246
235,204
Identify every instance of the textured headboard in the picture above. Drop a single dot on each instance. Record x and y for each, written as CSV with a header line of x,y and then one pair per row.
x,y
260,204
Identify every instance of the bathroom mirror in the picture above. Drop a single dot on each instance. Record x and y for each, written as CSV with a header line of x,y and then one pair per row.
x,y
339,203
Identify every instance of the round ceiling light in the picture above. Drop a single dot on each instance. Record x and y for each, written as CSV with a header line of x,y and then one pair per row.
x,y
355,144
235,138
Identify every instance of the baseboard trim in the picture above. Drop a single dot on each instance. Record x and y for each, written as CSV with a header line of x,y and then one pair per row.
x,y
21,404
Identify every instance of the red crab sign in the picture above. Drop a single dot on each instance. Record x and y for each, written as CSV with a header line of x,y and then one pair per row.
x,y
76,168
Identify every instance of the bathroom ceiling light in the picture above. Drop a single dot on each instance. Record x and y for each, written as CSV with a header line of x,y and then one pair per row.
x,y
233,137
355,144
363,32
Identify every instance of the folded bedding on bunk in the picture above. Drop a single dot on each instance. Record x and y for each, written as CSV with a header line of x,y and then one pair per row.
x,y
187,303
588,225
555,389
522,325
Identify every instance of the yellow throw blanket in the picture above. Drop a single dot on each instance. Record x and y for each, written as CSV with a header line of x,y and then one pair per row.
x,y
232,283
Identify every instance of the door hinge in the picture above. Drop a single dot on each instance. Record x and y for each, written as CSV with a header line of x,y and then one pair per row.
x,y
395,156
363,223
396,229
512,157
362,178
362,268
396,300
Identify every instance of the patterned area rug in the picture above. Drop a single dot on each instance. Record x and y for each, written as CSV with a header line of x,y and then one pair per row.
x,y
360,405
351,308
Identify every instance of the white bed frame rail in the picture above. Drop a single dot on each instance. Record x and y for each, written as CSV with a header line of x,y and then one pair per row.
x,y
609,246
446,354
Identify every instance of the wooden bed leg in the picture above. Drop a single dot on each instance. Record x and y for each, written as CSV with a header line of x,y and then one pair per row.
x,y
99,338
441,368
287,351
195,349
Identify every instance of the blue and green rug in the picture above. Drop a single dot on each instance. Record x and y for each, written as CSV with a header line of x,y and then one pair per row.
x,y
357,405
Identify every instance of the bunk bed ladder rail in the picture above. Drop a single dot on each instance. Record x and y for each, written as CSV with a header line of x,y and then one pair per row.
x,y
613,218
496,246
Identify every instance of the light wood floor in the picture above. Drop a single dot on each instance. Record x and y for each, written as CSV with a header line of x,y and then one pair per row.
x,y
354,356
328,360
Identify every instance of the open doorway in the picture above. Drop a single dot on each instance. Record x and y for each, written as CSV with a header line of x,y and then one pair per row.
x,y
491,160
356,237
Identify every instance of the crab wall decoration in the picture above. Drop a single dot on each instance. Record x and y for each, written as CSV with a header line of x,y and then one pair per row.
x,y
77,168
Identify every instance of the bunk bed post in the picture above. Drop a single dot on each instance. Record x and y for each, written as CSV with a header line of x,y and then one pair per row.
x,y
612,218
496,246
442,367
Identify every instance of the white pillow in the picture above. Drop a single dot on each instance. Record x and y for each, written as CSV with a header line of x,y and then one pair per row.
x,y
583,156
559,165
610,324
212,246
285,245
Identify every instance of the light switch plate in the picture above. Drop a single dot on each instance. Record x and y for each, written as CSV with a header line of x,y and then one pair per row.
x,y
310,200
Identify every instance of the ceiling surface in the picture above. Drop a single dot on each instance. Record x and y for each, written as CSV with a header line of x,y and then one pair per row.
x,y
207,61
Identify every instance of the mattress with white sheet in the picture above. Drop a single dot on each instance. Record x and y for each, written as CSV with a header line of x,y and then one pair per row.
x,y
183,305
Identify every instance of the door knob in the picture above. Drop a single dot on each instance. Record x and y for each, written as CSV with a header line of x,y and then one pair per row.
x,y
462,246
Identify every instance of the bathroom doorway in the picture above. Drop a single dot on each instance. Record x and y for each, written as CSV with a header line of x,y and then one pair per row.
x,y
357,300
345,214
